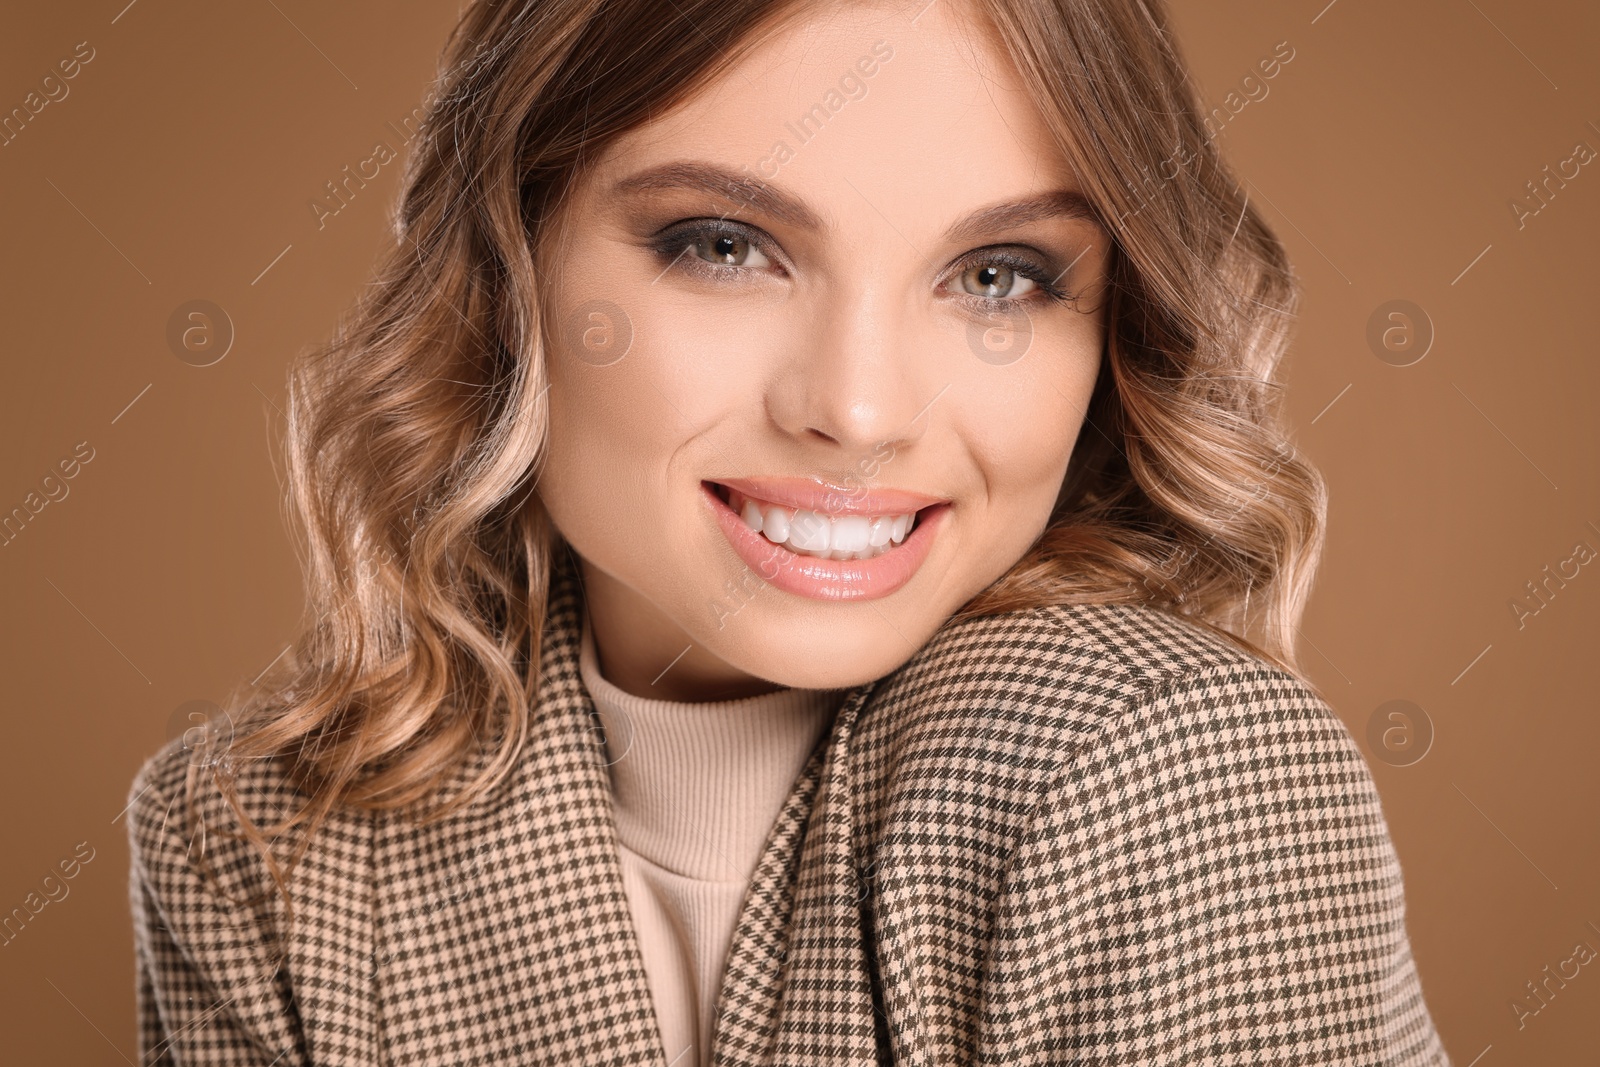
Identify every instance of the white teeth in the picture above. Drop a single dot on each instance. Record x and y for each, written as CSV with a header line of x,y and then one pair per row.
x,y
809,533
850,533
776,525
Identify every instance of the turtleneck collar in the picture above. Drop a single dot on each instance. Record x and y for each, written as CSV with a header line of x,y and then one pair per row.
x,y
696,786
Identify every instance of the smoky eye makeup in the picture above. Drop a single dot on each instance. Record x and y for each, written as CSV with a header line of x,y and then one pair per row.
x,y
721,249
995,271
715,246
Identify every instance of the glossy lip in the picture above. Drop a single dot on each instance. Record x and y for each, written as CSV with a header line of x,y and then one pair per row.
x,y
814,494
828,579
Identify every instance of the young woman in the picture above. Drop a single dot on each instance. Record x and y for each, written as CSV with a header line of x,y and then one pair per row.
x,y
804,558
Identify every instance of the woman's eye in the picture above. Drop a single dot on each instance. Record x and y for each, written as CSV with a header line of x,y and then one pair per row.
x,y
728,249
995,281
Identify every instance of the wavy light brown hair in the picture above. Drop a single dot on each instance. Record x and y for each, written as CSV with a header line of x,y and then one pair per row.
x,y
414,437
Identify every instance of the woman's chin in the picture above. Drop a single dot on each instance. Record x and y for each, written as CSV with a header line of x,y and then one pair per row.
x,y
828,657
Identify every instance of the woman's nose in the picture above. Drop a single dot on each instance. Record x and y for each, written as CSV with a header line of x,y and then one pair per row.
x,y
853,380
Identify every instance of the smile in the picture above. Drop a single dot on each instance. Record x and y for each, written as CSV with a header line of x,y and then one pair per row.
x,y
817,541
816,534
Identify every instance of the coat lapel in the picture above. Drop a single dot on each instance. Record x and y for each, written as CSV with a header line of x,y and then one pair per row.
x,y
797,988
230,946
503,930
330,943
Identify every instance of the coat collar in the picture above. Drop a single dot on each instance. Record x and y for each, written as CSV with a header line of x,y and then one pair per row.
x,y
502,933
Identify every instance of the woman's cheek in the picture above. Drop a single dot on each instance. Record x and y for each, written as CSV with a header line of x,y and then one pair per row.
x,y
1023,420
703,363
590,478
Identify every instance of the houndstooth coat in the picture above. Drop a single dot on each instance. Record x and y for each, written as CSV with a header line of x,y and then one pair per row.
x,y
1086,835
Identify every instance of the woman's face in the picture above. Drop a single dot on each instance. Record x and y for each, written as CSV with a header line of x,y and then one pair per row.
x,y
821,310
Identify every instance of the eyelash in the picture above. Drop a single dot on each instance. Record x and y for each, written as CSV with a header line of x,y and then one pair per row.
x,y
1030,269
672,243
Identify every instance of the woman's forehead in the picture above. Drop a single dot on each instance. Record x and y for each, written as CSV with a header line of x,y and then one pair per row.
x,y
874,106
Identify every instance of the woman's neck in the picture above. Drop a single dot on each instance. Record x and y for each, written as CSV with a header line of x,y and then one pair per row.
x,y
696,785
644,653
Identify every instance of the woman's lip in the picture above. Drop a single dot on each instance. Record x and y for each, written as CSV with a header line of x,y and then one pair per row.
x,y
828,579
814,494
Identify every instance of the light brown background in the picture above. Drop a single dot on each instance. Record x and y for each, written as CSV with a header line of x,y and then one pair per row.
x,y
1387,152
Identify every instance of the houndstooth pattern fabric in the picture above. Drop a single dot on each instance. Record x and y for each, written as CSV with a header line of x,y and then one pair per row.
x,y
1085,835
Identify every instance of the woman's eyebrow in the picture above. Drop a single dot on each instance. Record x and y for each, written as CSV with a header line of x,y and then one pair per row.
x,y
752,191
728,184
1058,203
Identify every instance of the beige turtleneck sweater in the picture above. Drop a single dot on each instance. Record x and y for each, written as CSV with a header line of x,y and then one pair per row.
x,y
695,790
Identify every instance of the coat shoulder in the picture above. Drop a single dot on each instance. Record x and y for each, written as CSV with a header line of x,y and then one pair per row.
x,y
180,775
183,831
1130,646
1062,670
1192,818
995,709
